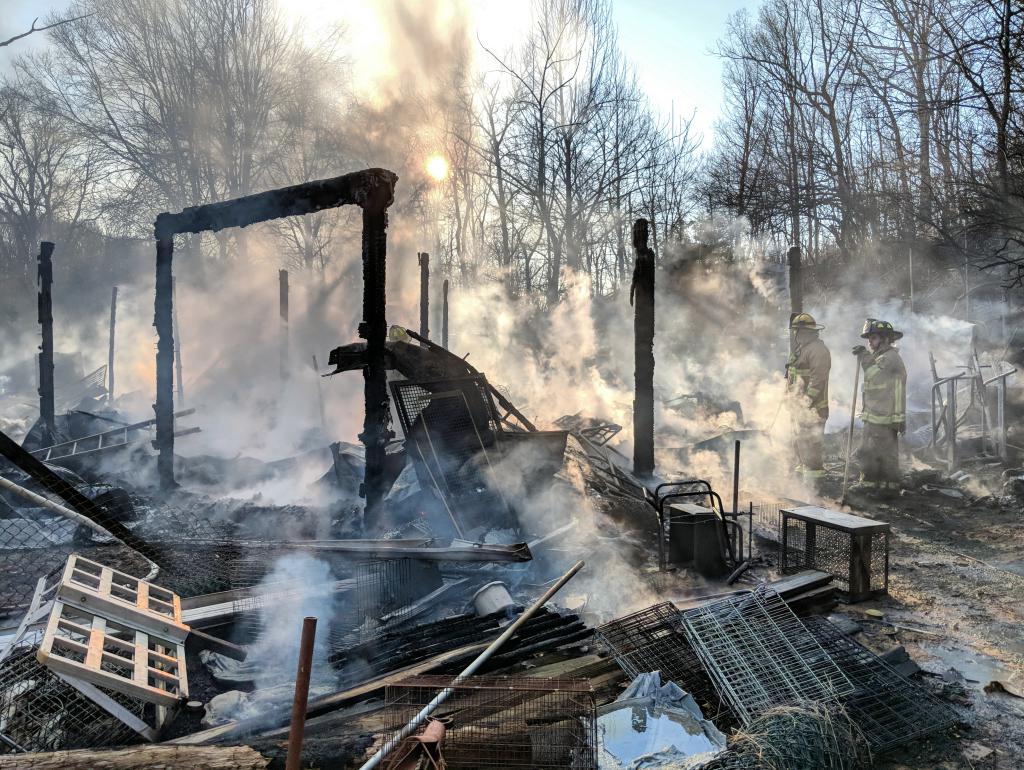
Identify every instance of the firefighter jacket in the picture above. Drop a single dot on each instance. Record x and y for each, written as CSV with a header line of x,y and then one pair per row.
x,y
807,373
884,395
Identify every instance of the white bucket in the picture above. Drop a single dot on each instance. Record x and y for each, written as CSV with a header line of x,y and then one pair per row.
x,y
493,597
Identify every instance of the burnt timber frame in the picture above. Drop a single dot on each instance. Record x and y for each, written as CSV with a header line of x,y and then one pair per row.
x,y
373,191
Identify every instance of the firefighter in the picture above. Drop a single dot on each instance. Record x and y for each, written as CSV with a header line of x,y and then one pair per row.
x,y
807,381
883,407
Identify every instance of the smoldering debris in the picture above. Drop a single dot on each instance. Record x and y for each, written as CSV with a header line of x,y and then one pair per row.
x,y
477,494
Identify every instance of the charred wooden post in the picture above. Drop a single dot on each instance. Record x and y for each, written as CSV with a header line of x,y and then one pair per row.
x,y
282,301
374,329
796,281
46,400
424,260
179,379
444,314
641,296
796,289
373,190
110,352
163,321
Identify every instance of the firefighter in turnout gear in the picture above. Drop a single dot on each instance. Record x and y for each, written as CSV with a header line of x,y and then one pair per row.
x,y
807,383
883,406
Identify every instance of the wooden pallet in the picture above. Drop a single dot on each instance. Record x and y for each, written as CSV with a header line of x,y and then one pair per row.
x,y
118,632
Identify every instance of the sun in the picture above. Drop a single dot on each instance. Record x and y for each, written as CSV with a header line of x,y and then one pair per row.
x,y
437,167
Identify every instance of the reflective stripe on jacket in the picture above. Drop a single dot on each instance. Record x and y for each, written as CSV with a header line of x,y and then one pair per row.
x,y
884,395
808,370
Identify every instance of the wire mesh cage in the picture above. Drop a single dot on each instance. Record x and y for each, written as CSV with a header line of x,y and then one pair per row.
x,y
854,550
760,655
889,709
505,722
41,711
653,640
768,519
452,430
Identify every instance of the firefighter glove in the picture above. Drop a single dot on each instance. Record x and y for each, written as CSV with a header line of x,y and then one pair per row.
x,y
859,350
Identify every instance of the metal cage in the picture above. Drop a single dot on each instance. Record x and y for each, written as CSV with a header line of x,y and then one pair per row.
x,y
505,722
854,550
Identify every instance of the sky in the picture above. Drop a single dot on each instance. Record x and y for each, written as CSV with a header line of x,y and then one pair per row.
x,y
668,41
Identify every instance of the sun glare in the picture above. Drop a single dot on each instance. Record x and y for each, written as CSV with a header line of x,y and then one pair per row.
x,y
437,167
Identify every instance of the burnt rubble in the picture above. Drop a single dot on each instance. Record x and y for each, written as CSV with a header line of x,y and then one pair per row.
x,y
410,599
460,585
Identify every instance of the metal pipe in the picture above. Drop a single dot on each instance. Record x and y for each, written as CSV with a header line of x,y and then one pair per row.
x,y
297,731
442,696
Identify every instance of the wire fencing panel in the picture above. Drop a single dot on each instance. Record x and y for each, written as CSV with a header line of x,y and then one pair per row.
x,y
760,655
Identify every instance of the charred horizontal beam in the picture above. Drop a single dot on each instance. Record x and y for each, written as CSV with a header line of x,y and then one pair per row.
x,y
372,189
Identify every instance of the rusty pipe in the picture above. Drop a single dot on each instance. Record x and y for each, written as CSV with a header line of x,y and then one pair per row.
x,y
297,730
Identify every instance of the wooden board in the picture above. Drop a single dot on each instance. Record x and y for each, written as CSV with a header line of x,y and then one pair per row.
x,y
159,757
845,522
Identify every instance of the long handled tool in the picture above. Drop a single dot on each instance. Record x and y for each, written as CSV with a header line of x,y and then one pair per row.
x,y
849,438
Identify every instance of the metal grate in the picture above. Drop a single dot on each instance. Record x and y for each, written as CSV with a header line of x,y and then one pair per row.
x,y
40,711
768,519
889,709
413,398
653,640
451,427
505,722
760,655
815,545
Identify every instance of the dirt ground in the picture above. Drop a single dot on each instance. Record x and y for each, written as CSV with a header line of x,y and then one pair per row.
x,y
956,603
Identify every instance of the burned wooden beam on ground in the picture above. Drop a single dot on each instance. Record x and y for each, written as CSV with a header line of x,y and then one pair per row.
x,y
641,296
45,275
373,191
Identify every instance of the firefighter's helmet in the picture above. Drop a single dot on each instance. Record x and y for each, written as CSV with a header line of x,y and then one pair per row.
x,y
876,326
805,321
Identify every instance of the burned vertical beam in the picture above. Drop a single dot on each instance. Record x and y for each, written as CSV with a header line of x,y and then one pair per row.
x,y
796,281
282,301
796,290
110,352
179,379
444,314
163,321
373,190
424,260
374,329
46,399
641,296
